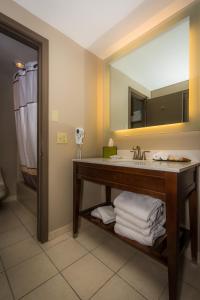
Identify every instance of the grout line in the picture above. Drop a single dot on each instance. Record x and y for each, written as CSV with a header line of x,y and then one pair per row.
x,y
21,262
133,287
6,275
70,285
11,245
101,286
12,228
188,283
68,265
35,288
60,271
22,221
116,274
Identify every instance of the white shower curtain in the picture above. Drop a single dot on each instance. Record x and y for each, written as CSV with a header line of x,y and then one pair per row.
x,y
25,108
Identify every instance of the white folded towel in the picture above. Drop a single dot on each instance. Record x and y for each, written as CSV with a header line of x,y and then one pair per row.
x,y
161,218
160,156
133,235
137,116
141,206
105,213
145,231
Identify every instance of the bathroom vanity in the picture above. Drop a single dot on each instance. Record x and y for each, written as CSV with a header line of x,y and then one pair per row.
x,y
169,181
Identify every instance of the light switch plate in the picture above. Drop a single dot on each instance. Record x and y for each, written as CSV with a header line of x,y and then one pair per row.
x,y
61,138
55,115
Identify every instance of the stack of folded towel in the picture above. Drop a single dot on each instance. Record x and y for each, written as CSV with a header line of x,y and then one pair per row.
x,y
139,217
104,213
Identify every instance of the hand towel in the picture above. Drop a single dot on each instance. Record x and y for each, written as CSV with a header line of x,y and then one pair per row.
x,y
105,213
160,156
161,218
143,207
145,231
144,240
96,214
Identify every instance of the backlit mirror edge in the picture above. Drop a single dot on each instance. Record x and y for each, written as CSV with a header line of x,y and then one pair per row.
x,y
194,82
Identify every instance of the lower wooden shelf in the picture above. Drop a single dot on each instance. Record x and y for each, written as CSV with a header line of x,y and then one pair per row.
x,y
157,251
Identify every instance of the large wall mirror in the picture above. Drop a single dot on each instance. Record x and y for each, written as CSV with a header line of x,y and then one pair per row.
x,y
149,86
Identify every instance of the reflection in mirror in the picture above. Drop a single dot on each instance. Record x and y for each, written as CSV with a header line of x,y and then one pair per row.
x,y
150,85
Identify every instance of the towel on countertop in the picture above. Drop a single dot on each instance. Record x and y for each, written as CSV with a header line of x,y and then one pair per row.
x,y
143,207
133,235
105,213
144,231
161,218
160,156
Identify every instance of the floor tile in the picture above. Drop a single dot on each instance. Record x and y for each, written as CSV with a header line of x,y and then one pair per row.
x,y
83,224
87,275
55,241
117,289
30,274
19,252
186,293
92,237
55,288
8,221
65,253
191,274
31,225
145,275
13,236
113,258
19,210
5,293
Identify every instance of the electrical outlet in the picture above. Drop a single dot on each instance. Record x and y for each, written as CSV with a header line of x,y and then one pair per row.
x,y
61,138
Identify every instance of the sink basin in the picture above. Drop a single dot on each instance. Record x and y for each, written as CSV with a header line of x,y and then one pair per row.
x,y
130,161
134,162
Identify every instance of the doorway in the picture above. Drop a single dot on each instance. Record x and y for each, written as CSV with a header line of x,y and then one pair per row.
x,y
31,39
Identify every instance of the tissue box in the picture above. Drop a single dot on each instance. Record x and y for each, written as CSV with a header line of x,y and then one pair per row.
x,y
108,151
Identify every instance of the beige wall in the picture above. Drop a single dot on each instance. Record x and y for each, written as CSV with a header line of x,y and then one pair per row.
x,y
179,136
8,144
170,89
73,75
119,84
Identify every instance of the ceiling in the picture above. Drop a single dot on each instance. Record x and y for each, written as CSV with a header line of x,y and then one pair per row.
x,y
12,50
103,26
161,62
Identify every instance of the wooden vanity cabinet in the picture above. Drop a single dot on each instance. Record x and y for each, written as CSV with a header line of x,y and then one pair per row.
x,y
171,187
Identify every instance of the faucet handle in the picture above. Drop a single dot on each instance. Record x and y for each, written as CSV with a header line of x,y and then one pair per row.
x,y
134,152
144,154
133,149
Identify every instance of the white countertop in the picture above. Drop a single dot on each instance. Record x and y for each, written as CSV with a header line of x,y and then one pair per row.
x,y
175,167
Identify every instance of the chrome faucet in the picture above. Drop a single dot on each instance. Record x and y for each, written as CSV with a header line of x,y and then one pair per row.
x,y
138,154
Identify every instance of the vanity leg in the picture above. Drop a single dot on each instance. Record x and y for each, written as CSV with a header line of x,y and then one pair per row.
x,y
172,223
193,212
77,187
108,194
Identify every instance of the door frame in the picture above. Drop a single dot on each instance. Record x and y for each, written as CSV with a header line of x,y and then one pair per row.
x,y
30,38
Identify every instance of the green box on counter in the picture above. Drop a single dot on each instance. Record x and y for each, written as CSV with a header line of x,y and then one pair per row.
x,y
109,151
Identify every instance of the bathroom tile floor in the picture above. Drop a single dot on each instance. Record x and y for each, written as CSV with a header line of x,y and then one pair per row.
x,y
95,266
